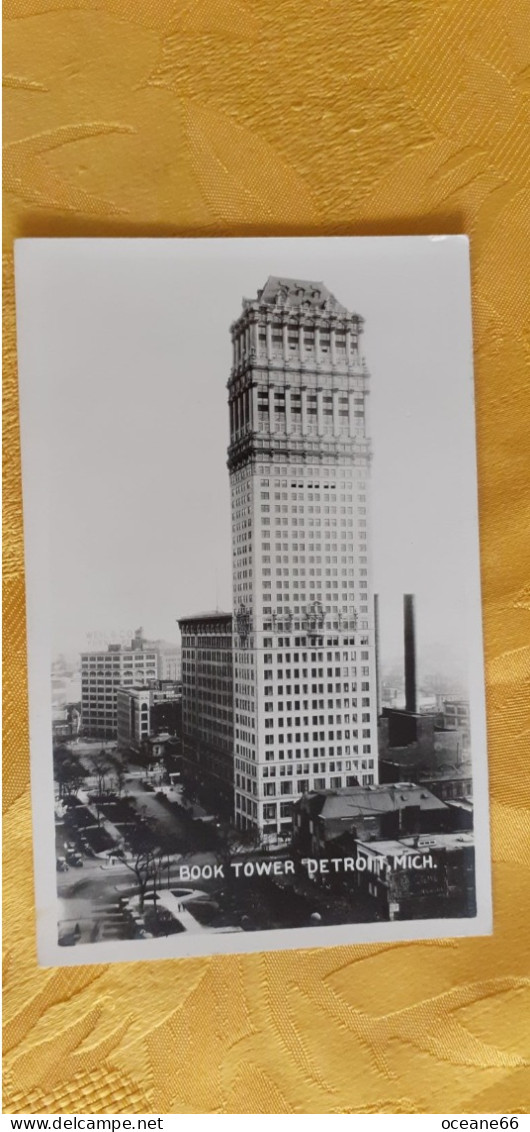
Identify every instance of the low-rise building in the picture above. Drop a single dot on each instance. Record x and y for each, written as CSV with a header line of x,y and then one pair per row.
x,y
144,711
366,813
66,721
450,784
414,878
462,810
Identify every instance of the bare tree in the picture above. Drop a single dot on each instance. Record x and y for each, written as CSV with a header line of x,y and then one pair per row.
x,y
144,865
145,859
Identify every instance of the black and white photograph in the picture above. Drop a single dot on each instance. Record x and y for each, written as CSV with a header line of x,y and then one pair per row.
x,y
255,656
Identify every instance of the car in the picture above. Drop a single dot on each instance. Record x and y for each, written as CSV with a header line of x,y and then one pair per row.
x,y
75,859
62,866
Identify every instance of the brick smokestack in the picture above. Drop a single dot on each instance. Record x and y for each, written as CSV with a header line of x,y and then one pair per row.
x,y
409,625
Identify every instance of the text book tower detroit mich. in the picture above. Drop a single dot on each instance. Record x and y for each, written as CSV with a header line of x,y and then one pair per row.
x,y
305,713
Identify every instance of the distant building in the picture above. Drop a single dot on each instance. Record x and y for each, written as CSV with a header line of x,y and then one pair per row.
x,y
207,705
449,785
66,688
147,711
419,741
455,717
364,813
103,672
168,659
66,722
414,745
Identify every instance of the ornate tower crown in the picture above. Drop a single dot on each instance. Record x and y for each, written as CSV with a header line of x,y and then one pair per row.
x,y
299,294
298,381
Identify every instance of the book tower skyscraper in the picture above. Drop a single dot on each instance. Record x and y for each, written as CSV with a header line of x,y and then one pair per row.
x,y
305,713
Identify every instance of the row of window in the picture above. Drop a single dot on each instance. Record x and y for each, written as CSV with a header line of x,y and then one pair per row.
x,y
269,811
279,657
315,673
243,476
331,543
332,766
287,754
310,509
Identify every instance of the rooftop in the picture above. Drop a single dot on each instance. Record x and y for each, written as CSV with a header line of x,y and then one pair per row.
x,y
422,844
211,615
449,774
352,801
282,291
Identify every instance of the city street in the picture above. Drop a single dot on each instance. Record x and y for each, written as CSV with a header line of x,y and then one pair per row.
x,y
100,900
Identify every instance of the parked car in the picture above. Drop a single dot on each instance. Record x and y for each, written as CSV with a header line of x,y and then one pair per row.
x,y
74,859
62,866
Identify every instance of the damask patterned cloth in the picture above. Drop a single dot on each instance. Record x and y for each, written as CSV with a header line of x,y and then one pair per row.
x,y
205,117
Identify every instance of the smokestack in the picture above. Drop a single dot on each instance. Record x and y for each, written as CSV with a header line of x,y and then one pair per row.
x,y
377,654
409,626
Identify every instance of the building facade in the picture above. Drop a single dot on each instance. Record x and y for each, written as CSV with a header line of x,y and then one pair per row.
x,y
456,717
102,673
168,659
207,706
305,713
138,712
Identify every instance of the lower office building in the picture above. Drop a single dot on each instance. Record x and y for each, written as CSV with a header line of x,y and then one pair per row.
x,y
103,671
147,710
207,707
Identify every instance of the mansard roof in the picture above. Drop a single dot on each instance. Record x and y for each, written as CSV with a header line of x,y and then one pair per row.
x,y
304,293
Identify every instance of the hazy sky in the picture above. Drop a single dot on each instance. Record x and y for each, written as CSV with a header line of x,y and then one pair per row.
x,y
131,339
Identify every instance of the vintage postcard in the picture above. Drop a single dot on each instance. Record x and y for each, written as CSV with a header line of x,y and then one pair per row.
x,y
253,594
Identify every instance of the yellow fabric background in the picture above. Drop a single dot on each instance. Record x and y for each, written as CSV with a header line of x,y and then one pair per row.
x,y
160,117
